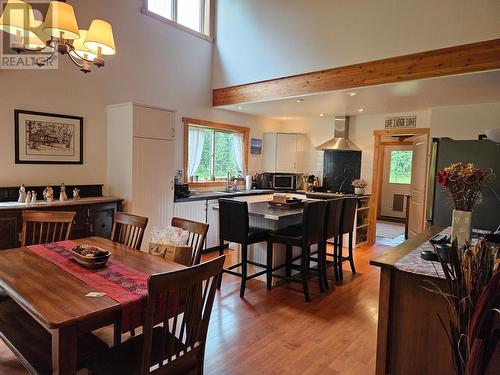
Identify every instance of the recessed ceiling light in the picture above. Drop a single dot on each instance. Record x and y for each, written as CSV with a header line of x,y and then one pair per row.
x,y
352,93
300,100
360,110
240,107
284,117
321,114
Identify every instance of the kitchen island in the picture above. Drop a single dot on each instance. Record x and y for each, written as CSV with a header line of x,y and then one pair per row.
x,y
410,339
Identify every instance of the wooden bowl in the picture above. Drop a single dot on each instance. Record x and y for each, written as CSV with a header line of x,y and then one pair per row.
x,y
92,262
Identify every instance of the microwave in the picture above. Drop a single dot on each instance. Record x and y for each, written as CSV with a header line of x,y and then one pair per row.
x,y
285,182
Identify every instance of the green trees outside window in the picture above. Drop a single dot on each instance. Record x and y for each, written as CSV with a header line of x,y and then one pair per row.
x,y
400,167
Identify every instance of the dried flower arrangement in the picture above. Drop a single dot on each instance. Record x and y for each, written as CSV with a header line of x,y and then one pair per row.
x,y
473,301
359,183
464,183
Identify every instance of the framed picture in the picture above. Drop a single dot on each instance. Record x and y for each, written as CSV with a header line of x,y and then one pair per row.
x,y
48,138
256,146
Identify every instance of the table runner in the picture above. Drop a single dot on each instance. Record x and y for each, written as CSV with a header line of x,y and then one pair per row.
x,y
125,285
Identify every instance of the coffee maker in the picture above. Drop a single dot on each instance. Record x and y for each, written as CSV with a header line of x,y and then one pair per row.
x,y
181,189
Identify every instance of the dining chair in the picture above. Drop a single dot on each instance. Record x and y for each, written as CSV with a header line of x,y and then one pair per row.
x,y
346,227
332,232
197,235
311,232
177,345
234,227
46,226
128,229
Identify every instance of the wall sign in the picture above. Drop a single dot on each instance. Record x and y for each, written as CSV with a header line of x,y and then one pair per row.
x,y
403,122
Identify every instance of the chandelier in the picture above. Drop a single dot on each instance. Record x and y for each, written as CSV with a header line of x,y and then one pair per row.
x,y
58,33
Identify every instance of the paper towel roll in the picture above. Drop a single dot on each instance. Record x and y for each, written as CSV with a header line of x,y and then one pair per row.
x,y
248,182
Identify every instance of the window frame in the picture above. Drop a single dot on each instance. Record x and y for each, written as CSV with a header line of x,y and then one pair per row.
x,y
390,165
214,126
207,12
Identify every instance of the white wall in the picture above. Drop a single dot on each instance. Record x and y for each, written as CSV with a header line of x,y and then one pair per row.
x,y
156,64
457,122
263,39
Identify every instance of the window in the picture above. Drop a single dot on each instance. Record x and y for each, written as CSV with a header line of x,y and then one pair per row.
x,y
213,149
400,168
195,15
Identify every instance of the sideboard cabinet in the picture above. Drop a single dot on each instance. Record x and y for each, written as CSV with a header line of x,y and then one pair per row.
x,y
94,217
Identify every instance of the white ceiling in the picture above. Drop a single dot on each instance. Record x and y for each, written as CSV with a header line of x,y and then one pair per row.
x,y
473,88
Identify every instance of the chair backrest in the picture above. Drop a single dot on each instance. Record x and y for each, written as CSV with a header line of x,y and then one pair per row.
x,y
197,234
46,226
129,229
348,215
183,336
332,217
313,221
233,220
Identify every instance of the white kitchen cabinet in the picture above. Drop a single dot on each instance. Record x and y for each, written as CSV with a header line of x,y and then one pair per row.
x,y
213,224
283,153
140,162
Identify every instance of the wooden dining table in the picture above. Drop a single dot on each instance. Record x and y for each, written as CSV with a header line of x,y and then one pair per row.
x,y
58,301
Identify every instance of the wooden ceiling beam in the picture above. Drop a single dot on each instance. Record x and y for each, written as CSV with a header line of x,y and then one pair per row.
x,y
461,59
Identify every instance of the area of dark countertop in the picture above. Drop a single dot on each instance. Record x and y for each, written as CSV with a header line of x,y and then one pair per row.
x,y
208,195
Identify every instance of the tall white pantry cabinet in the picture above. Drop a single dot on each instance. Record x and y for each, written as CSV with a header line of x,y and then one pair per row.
x,y
140,161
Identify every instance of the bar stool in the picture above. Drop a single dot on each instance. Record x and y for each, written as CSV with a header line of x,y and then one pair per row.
x,y
346,227
234,227
309,233
332,230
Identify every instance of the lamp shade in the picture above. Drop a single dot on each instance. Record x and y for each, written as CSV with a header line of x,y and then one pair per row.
x,y
39,40
18,17
61,19
100,35
80,49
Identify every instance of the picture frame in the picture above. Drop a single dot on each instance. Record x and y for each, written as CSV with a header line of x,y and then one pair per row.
x,y
47,138
256,146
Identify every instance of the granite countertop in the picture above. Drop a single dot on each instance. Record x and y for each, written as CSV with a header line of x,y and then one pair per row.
x,y
208,195
69,202
406,257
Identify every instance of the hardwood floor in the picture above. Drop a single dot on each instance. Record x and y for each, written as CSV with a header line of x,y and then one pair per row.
x,y
277,332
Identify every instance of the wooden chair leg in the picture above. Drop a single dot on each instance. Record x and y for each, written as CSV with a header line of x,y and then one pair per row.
x,y
323,266
335,258
244,266
321,275
288,268
269,273
351,255
221,252
305,273
117,334
340,257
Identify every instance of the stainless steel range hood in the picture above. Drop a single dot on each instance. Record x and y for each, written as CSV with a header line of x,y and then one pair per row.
x,y
341,141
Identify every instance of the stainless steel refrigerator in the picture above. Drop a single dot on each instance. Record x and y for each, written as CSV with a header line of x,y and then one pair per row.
x,y
485,154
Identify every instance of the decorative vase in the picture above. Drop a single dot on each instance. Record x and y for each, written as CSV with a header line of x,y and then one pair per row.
x,y
461,226
359,191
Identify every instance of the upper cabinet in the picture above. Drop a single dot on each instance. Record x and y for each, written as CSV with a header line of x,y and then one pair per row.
x,y
283,153
153,123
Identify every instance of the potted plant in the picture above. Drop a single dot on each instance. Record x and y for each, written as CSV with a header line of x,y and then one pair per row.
x,y
472,294
359,186
464,184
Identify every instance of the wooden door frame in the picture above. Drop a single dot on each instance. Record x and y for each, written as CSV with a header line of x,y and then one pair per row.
x,y
377,174
384,144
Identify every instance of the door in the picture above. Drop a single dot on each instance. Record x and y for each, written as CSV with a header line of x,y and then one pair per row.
x,y
286,153
396,181
153,123
153,185
418,188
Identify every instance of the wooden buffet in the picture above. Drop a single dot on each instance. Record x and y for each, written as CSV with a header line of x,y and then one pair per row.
x,y
94,217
